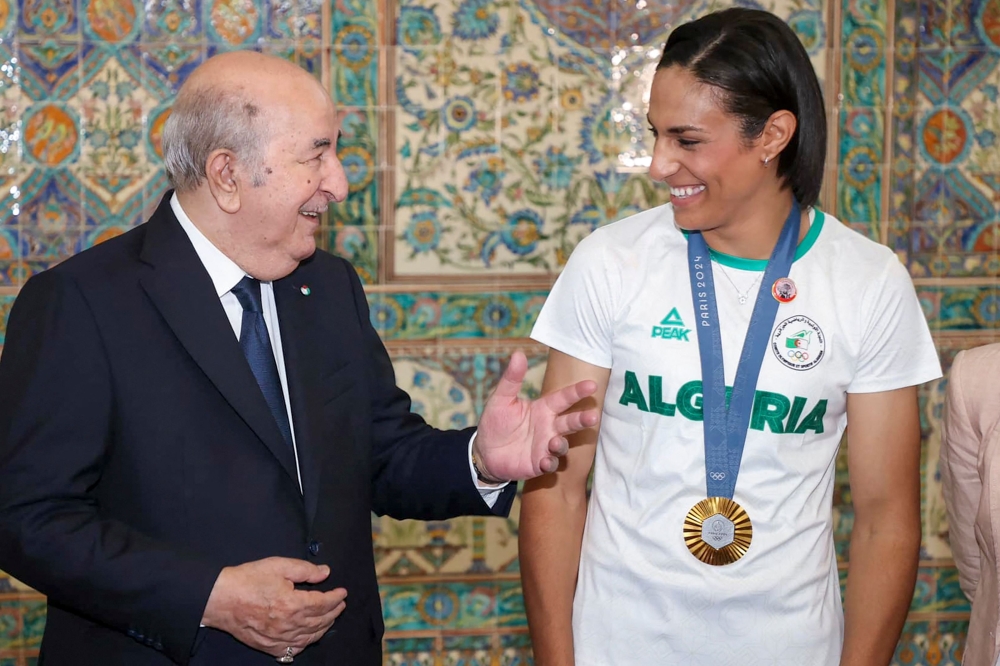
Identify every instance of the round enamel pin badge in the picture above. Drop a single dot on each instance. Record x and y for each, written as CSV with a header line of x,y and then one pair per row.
x,y
784,290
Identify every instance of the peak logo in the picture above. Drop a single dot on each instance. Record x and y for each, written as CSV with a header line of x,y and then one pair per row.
x,y
672,328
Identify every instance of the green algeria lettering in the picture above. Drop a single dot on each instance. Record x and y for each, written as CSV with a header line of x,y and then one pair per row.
x,y
771,411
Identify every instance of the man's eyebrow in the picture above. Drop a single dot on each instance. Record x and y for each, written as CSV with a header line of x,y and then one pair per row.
x,y
321,143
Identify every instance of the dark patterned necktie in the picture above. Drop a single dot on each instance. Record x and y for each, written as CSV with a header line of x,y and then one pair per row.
x,y
256,345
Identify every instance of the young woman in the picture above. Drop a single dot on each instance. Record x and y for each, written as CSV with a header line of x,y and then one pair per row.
x,y
708,535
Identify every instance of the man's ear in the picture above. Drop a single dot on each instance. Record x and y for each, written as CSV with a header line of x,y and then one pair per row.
x,y
221,180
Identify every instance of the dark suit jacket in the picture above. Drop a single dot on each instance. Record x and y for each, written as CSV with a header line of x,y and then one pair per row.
x,y
138,456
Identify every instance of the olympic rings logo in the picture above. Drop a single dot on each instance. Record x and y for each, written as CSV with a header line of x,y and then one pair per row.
x,y
718,476
798,355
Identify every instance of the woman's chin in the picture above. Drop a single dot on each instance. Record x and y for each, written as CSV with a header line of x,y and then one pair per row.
x,y
686,220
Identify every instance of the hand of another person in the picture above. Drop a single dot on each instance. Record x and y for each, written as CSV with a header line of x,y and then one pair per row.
x,y
258,604
521,439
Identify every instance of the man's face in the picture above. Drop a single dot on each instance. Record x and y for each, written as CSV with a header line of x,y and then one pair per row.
x,y
301,175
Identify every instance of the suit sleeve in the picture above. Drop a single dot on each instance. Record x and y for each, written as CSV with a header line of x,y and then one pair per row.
x,y
960,480
418,471
56,429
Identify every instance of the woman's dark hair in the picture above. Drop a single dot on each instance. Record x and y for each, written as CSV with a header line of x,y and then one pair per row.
x,y
761,67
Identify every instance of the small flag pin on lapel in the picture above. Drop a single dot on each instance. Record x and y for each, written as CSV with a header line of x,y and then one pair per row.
x,y
305,290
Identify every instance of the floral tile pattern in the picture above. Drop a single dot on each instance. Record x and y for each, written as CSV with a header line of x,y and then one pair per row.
x,y
520,128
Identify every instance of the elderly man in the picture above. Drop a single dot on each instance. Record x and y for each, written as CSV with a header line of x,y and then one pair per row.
x,y
197,417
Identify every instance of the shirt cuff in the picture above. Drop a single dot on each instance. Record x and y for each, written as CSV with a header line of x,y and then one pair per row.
x,y
490,494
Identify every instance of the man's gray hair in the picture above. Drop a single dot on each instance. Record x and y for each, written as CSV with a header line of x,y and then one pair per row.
x,y
206,119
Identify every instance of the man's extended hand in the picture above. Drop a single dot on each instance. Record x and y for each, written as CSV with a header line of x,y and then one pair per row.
x,y
520,439
258,604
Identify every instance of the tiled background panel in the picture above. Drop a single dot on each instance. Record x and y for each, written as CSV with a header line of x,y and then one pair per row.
x,y
931,642
455,315
22,620
520,127
960,307
944,136
860,155
509,648
482,140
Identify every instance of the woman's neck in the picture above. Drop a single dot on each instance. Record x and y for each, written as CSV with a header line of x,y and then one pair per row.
x,y
754,237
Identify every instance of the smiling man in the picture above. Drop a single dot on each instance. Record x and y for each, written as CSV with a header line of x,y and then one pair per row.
x,y
197,418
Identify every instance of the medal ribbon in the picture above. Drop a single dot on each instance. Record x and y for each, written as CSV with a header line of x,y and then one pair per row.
x,y
726,427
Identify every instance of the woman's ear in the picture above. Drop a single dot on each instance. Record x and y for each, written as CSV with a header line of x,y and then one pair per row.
x,y
778,131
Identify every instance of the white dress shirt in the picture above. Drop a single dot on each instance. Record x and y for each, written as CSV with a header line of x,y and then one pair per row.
x,y
225,275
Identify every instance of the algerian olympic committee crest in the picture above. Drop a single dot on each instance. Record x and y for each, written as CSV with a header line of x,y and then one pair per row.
x,y
799,343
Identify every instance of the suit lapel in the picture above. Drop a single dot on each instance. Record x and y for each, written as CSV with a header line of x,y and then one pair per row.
x,y
182,291
296,315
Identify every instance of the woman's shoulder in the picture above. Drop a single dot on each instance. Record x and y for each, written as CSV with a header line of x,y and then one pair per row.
x,y
855,259
983,360
845,239
972,390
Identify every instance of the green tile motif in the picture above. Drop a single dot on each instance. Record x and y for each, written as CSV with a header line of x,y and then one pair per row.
x,y
429,315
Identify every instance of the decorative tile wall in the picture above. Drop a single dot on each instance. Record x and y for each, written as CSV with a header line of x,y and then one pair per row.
x,y
520,127
482,140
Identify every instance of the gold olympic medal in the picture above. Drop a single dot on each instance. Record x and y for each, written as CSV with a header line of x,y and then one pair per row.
x,y
717,531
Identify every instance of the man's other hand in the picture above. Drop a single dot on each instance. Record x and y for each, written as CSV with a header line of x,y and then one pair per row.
x,y
258,604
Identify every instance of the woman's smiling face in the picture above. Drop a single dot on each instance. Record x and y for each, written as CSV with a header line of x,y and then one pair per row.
x,y
712,170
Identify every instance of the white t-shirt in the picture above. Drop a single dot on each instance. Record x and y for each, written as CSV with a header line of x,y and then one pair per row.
x,y
624,302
